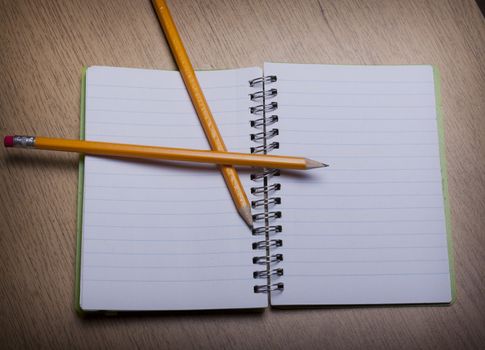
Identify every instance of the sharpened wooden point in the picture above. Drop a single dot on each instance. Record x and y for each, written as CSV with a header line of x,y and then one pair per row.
x,y
311,164
245,213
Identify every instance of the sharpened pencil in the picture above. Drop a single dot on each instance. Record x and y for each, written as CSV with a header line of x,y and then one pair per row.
x,y
202,108
163,153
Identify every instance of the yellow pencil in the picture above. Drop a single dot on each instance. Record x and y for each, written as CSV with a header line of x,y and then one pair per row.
x,y
202,108
164,153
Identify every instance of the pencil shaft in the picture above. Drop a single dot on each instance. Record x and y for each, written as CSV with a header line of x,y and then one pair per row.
x,y
188,75
168,153
200,104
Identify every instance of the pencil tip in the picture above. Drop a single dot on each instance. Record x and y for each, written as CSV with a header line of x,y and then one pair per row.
x,y
245,213
311,164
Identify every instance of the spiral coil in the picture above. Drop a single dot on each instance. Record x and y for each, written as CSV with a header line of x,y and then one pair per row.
x,y
265,202
267,230
265,190
260,122
269,287
265,174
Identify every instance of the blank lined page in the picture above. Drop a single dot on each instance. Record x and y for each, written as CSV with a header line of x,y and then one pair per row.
x,y
370,229
164,236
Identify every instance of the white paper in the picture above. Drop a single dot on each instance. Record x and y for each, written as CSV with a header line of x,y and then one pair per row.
x,y
164,236
370,229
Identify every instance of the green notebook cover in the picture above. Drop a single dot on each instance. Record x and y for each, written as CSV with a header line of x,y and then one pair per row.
x,y
444,175
80,198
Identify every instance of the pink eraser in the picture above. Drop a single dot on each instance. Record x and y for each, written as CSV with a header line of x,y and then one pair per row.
x,y
8,141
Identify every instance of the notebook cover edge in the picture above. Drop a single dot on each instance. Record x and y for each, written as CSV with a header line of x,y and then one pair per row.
x,y
444,177
80,198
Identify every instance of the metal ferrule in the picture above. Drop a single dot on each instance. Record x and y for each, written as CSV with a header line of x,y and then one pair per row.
x,y
24,141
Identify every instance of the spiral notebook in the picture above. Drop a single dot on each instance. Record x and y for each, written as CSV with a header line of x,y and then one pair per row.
x,y
370,229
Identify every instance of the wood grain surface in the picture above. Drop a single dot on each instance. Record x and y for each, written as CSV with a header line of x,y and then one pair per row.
x,y
44,45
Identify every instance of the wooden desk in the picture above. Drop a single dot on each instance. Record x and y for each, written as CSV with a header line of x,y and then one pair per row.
x,y
43,47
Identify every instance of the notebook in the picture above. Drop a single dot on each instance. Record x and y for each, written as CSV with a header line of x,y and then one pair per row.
x,y
373,228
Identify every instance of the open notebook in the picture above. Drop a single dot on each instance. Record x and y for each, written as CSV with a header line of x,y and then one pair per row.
x,y
370,229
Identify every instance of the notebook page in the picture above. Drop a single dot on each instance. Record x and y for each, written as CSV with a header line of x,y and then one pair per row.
x,y
164,236
370,229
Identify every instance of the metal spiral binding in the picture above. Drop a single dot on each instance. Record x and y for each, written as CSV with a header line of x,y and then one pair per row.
x,y
266,274
263,108
262,80
259,123
267,230
263,260
257,96
265,202
264,135
265,189
265,174
269,288
272,243
267,217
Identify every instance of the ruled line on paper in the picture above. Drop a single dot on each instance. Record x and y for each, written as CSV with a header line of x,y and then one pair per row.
x,y
155,200
359,144
161,112
186,227
91,135
325,131
182,87
320,115
165,254
164,266
325,181
361,208
157,175
312,261
397,156
118,231
196,188
366,248
287,235
168,281
185,100
163,125
365,195
158,214
359,221
361,261
303,80
354,119
290,93
378,169
248,239
181,116
356,106
366,274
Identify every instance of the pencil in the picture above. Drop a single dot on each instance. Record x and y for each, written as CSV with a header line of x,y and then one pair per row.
x,y
163,153
202,108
